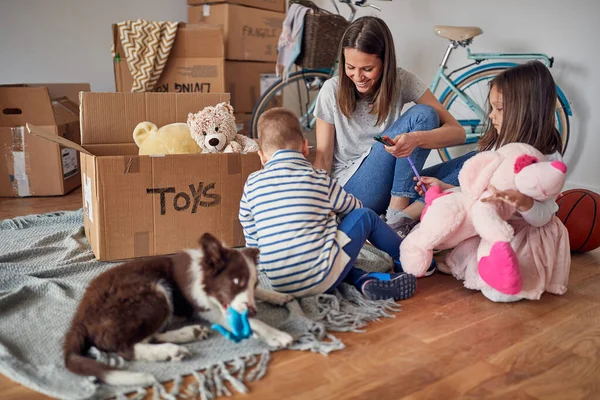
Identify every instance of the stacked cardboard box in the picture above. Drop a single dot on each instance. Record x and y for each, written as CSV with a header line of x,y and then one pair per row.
x,y
251,30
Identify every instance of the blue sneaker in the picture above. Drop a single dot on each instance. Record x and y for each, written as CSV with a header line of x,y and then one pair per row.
x,y
430,271
380,286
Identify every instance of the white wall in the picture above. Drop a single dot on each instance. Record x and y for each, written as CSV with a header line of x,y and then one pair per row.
x,y
70,40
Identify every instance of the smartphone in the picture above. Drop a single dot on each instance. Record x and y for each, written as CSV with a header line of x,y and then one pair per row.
x,y
385,140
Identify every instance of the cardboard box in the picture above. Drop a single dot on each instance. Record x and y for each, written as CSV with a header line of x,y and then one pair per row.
x,y
250,34
195,63
138,206
243,82
273,5
242,120
30,166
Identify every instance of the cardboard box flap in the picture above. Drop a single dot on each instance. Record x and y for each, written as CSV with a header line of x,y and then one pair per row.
x,y
65,111
44,133
68,90
22,104
110,118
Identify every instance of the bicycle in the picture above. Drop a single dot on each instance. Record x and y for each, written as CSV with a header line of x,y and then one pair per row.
x,y
299,93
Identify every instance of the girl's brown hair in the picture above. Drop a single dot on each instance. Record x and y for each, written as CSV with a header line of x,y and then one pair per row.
x,y
372,36
529,104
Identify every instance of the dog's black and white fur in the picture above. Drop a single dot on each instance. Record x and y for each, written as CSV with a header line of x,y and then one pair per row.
x,y
127,310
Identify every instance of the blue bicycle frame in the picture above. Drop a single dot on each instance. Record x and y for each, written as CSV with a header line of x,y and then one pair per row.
x,y
451,85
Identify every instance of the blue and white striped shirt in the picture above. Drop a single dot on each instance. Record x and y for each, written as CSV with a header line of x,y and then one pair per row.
x,y
289,211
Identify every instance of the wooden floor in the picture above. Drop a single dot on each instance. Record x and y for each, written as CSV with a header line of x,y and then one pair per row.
x,y
446,343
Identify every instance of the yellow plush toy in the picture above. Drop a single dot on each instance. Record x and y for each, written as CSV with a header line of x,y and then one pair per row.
x,y
170,139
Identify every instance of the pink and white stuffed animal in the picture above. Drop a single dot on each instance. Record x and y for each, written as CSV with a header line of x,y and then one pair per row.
x,y
215,131
453,216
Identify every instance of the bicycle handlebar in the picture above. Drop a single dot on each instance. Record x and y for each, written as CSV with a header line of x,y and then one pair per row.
x,y
352,4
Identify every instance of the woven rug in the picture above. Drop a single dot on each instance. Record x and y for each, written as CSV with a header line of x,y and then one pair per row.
x,y
45,266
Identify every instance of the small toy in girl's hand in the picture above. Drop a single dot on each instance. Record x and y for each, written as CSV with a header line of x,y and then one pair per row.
x,y
240,327
385,139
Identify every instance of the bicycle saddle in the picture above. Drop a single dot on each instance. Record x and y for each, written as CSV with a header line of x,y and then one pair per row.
x,y
457,33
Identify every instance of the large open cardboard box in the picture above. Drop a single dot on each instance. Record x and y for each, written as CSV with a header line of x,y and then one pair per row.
x,y
195,62
251,34
138,206
30,166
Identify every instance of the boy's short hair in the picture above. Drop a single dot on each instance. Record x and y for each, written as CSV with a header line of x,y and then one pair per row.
x,y
279,128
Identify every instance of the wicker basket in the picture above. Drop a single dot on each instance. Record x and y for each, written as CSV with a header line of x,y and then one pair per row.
x,y
321,38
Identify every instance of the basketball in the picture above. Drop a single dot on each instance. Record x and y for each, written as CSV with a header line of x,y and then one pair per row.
x,y
579,210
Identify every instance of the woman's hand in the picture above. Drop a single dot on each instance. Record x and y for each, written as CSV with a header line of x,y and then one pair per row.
x,y
514,198
404,145
429,181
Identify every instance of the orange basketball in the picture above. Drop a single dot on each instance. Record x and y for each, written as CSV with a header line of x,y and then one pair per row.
x,y
579,210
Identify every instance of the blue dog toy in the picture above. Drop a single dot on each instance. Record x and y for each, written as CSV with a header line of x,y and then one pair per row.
x,y
240,327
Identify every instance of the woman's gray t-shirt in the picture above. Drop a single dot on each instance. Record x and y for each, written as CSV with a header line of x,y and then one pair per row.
x,y
354,135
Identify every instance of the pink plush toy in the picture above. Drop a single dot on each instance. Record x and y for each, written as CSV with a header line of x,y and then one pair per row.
x,y
456,215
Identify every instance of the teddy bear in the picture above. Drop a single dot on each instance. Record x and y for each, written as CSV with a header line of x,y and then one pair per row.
x,y
215,131
457,215
169,139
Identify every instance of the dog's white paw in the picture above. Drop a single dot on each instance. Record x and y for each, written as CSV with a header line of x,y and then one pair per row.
x,y
193,332
278,339
161,352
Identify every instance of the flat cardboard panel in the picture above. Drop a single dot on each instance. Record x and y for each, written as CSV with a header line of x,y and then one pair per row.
x,y
123,203
109,118
250,34
47,179
195,62
91,210
191,206
242,79
275,5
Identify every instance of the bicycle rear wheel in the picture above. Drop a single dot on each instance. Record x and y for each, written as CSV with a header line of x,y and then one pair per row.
x,y
476,86
298,95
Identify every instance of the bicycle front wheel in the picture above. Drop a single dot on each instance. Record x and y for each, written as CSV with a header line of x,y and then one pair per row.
x,y
298,94
476,87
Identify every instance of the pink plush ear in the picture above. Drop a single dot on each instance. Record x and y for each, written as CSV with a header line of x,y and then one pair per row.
x,y
477,172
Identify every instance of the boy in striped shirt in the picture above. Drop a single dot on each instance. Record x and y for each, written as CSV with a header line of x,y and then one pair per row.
x,y
291,212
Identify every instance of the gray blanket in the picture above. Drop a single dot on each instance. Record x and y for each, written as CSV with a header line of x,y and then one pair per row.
x,y
45,266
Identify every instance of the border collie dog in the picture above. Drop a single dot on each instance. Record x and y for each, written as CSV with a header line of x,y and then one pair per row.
x,y
128,309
